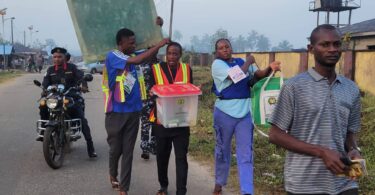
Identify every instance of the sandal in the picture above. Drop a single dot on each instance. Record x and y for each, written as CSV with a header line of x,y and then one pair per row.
x,y
217,190
123,193
114,182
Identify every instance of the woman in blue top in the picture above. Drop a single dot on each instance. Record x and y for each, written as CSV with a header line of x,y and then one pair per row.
x,y
232,115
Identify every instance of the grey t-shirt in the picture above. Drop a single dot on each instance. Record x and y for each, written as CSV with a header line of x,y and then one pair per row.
x,y
313,111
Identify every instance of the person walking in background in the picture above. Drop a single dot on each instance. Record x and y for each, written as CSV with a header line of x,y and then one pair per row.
x,y
40,63
31,64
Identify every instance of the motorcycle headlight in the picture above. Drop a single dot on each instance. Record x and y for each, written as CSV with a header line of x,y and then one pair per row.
x,y
61,88
52,103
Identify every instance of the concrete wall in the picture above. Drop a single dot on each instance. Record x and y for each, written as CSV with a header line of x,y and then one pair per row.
x,y
262,59
365,71
239,55
362,43
356,65
290,60
293,63
290,63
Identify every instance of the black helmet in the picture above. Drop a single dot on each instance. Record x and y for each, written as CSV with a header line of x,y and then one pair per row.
x,y
59,50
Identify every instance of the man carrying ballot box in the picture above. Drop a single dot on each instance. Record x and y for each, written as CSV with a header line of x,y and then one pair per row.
x,y
165,73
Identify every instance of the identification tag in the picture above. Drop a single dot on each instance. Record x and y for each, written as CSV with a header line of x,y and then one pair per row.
x,y
129,82
236,74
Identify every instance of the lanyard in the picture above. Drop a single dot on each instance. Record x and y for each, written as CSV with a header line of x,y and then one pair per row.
x,y
57,67
170,72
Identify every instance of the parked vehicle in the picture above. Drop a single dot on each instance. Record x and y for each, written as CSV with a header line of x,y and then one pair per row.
x,y
82,66
96,67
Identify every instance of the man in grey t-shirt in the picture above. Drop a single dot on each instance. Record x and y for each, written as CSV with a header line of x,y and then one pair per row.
x,y
316,119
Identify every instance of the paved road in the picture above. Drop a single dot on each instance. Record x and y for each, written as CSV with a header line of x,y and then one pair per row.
x,y
24,171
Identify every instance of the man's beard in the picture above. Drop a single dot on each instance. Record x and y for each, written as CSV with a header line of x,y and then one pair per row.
x,y
327,64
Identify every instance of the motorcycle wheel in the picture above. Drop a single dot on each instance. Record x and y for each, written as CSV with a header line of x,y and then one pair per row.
x,y
53,150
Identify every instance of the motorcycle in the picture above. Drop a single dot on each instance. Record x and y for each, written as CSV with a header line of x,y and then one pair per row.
x,y
60,130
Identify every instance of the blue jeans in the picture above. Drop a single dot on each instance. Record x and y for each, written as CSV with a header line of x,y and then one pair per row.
x,y
242,128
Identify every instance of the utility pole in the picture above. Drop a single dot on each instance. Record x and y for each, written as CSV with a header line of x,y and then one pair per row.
x,y
24,38
11,22
31,34
3,13
171,20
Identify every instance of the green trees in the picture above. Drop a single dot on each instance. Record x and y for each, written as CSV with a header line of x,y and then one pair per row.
x,y
253,41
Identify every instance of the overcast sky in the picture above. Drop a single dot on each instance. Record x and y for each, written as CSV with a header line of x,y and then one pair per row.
x,y
277,19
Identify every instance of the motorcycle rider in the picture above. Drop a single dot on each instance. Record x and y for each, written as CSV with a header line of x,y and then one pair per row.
x,y
67,74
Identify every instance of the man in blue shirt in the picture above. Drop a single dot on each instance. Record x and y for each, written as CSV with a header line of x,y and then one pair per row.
x,y
123,104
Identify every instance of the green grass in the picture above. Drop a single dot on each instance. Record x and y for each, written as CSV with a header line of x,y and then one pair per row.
x,y
367,143
202,139
268,158
8,75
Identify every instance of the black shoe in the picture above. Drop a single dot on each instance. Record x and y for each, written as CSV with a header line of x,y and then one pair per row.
x,y
91,149
145,155
93,155
39,138
162,191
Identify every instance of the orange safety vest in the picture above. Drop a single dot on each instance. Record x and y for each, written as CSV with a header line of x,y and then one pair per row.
x,y
182,76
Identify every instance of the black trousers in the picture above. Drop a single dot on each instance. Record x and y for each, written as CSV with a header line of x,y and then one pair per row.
x,y
180,141
76,111
122,130
348,192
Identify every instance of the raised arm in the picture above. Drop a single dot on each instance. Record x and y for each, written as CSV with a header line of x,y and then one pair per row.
x,y
274,66
143,57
